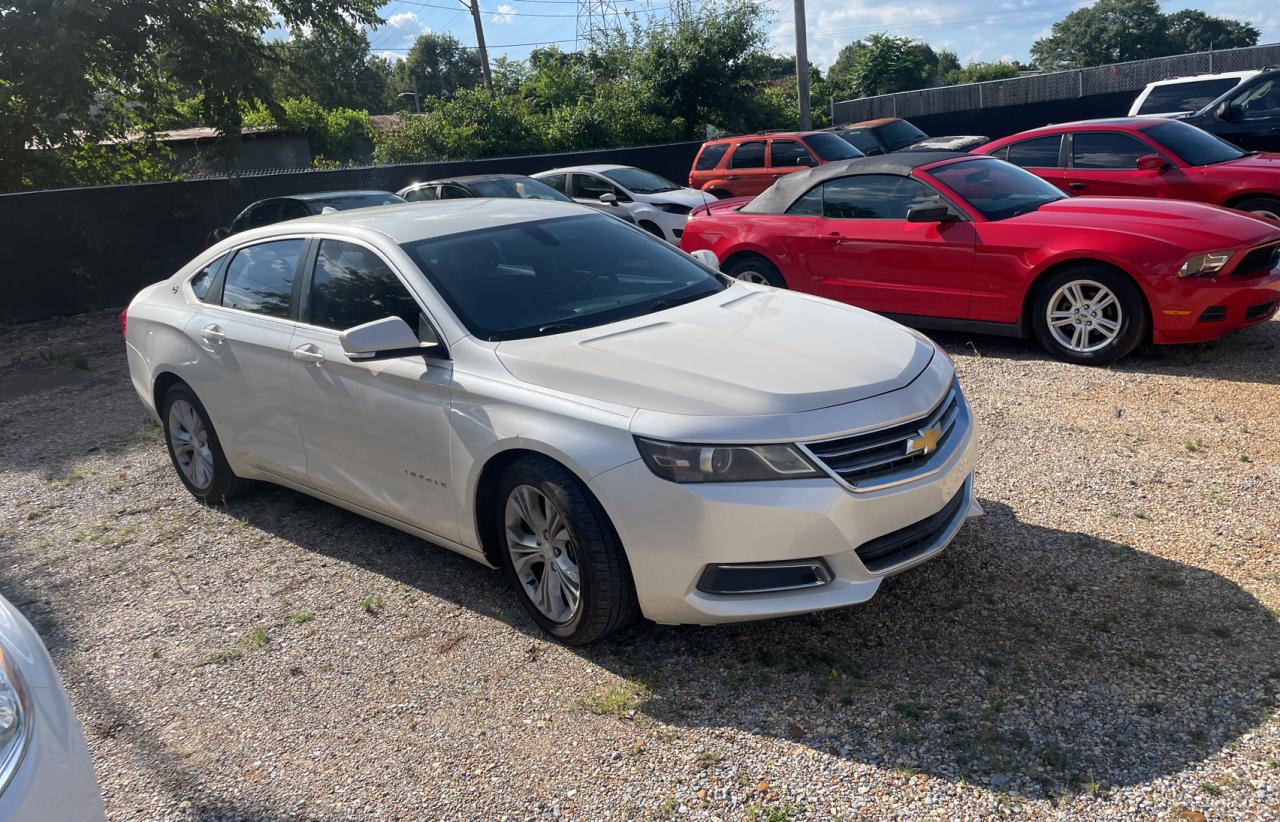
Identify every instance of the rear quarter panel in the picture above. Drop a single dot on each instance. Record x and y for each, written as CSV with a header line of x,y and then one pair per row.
x,y
781,239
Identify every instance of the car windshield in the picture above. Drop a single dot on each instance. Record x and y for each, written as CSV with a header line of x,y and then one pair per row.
x,y
344,202
551,276
830,147
998,190
640,181
863,141
898,134
1195,146
524,188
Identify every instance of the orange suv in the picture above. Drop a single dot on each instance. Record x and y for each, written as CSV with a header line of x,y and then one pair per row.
x,y
746,165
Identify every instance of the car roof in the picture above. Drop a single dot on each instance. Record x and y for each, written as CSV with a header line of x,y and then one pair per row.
x,y
407,222
879,121
324,195
1193,78
590,167
764,135
1135,123
788,188
471,178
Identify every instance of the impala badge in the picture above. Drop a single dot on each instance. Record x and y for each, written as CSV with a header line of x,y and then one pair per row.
x,y
925,441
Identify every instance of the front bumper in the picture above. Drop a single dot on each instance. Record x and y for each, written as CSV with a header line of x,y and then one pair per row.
x,y
673,532
1194,310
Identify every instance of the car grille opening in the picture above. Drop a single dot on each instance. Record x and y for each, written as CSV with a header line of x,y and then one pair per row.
x,y
764,577
1257,312
1213,314
1258,262
906,544
879,456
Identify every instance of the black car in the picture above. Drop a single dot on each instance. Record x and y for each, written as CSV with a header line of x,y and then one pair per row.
x,y
889,134
498,185
279,209
1247,115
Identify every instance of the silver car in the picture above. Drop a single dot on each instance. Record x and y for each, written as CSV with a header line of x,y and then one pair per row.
x,y
551,391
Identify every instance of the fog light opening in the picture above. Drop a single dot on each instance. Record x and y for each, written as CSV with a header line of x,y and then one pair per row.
x,y
764,577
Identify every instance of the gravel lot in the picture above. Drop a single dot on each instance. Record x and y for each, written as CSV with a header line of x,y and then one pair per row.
x,y
1103,644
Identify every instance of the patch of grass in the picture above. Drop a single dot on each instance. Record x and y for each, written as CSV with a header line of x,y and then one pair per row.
x,y
1245,458
1244,429
1094,789
1141,515
1194,445
708,759
905,737
371,604
301,617
911,710
66,479
4,531
906,771
1210,788
760,812
665,808
153,433
218,658
814,660
255,638
617,700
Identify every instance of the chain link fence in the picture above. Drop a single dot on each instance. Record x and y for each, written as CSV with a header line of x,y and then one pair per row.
x,y
1075,84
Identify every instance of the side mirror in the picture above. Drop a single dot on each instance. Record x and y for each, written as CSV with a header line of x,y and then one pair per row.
x,y
383,339
220,233
707,257
611,199
931,214
1151,162
1227,112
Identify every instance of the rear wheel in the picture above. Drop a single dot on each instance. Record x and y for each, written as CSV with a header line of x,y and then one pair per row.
x,y
756,270
194,447
562,554
1089,314
1268,207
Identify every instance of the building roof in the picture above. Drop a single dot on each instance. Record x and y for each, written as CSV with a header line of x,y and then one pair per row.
x,y
779,197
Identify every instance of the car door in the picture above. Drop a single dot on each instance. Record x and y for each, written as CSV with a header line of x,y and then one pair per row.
x,y
240,364
452,192
748,172
422,194
867,253
1251,119
376,433
1042,156
788,156
1106,163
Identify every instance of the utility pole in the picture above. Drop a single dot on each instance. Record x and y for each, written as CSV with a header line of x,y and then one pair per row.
x,y
474,6
417,101
802,66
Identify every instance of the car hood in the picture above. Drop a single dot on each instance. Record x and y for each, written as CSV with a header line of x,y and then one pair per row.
x,y
749,350
690,197
1195,226
1262,161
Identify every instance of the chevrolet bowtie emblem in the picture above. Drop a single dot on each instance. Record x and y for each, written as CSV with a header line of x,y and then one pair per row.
x,y
925,441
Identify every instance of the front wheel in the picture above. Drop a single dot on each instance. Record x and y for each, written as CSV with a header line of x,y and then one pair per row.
x,y
756,270
1089,314
562,554
1266,207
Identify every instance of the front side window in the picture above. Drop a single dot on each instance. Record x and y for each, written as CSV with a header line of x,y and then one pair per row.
x,y
1195,146
1038,152
831,148
1260,101
748,155
523,188
640,181
345,202
557,275
1107,150
203,279
710,156
591,187
260,278
351,286
875,197
998,190
419,195
789,153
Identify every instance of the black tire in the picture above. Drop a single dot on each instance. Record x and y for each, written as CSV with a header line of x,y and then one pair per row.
x,y
1266,207
653,229
223,483
754,269
608,598
719,194
1130,313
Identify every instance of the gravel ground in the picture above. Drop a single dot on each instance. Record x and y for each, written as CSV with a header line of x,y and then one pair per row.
x,y
1103,644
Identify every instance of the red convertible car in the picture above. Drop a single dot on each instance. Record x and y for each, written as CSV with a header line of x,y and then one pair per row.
x,y
1146,157
946,240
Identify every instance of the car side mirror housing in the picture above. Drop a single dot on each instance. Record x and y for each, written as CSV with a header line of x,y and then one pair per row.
x,y
707,257
1151,162
1227,112
383,339
931,214
611,199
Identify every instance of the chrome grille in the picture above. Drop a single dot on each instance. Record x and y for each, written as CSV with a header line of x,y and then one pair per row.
x,y
880,457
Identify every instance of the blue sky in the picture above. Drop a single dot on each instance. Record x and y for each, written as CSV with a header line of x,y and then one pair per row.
x,y
974,29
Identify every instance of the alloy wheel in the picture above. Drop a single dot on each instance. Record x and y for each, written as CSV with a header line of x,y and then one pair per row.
x,y
190,442
750,276
1084,316
543,554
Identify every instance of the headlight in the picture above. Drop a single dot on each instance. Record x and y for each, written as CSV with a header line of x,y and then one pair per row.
x,y
15,719
678,462
1202,265
674,208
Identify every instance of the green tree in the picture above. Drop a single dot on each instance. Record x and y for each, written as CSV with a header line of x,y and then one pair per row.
x,y
882,64
77,73
1191,30
471,124
337,136
441,66
330,65
1111,31
979,72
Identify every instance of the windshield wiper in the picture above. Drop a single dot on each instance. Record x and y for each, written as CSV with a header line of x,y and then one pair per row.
x,y
558,328
671,302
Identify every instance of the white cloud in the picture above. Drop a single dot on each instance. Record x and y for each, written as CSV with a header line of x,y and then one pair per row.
x,y
404,18
505,14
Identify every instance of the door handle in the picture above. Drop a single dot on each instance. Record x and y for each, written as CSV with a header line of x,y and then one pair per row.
x,y
213,334
1076,186
733,176
309,353
833,237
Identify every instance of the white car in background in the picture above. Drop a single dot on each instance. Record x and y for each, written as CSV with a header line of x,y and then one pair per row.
x,y
545,389
45,770
1183,95
658,205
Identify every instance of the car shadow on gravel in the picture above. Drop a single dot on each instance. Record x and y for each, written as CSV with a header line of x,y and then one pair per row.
x,y
1250,356
1023,658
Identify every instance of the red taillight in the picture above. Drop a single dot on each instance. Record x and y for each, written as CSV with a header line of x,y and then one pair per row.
x,y
124,323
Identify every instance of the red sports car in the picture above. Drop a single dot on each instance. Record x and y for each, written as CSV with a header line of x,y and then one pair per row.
x,y
1146,157
946,240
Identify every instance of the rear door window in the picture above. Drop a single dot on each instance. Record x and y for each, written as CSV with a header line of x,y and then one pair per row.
x,y
1038,152
710,156
260,278
748,155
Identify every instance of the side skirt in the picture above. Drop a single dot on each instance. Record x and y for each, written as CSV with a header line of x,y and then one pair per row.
x,y
969,326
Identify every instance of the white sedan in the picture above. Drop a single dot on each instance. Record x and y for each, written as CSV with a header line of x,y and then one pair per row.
x,y
45,771
553,392
658,205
